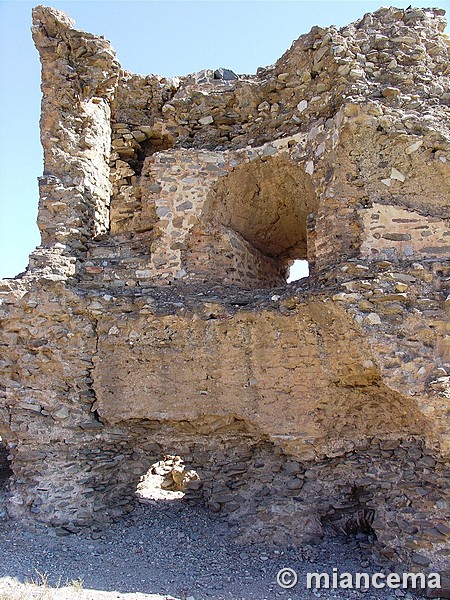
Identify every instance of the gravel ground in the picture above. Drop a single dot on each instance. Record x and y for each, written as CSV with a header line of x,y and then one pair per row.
x,y
177,551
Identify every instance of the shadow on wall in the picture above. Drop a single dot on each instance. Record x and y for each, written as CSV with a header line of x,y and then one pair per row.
x,y
5,469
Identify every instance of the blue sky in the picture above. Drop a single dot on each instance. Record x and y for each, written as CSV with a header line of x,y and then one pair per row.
x,y
165,37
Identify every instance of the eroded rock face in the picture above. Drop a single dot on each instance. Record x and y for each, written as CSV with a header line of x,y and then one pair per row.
x,y
155,319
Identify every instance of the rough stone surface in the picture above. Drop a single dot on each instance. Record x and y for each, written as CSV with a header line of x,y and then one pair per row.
x,y
155,319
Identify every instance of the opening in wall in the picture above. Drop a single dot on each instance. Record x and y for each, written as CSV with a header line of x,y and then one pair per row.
x,y
354,518
298,270
166,480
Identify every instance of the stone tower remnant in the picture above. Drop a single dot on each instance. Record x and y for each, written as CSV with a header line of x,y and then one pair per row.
x,y
155,318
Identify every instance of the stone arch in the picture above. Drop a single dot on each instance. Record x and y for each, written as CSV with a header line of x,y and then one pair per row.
x,y
268,203
254,223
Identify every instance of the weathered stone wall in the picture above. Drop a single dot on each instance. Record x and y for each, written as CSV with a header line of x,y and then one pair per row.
x,y
76,130
155,318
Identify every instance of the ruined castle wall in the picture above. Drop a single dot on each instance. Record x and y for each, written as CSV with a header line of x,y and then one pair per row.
x,y
409,233
76,130
330,94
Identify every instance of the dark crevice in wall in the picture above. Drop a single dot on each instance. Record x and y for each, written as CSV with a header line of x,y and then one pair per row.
x,y
148,148
93,411
352,518
5,469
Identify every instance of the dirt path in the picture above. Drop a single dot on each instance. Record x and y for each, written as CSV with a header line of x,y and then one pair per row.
x,y
175,551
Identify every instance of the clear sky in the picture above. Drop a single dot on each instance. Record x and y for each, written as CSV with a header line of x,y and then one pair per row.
x,y
164,37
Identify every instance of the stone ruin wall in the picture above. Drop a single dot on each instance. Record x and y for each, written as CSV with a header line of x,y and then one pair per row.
x,y
155,318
